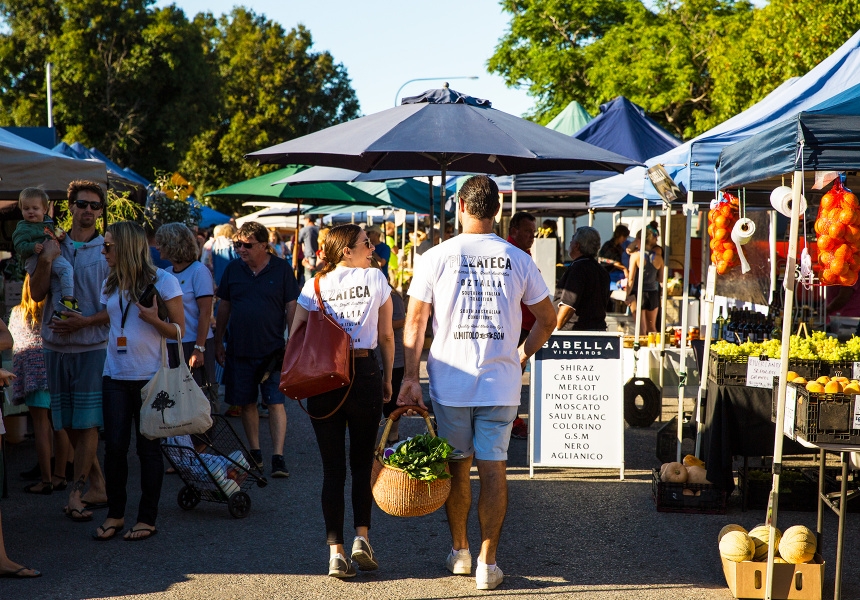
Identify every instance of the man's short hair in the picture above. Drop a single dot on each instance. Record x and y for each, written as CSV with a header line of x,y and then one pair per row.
x,y
480,195
311,218
82,185
621,230
588,239
33,192
518,219
253,229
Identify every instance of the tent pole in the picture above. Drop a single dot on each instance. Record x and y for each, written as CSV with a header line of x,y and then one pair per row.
x,y
788,284
772,240
591,217
703,374
513,195
414,241
637,327
432,240
442,193
689,208
664,301
298,228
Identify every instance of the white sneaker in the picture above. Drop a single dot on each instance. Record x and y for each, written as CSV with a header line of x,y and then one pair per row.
x,y
485,579
459,563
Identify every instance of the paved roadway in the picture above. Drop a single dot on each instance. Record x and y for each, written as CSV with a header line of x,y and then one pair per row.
x,y
569,534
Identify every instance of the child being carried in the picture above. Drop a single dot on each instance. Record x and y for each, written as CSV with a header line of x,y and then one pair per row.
x,y
29,238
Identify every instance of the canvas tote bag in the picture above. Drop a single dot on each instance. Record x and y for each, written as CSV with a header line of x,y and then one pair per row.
x,y
317,358
173,403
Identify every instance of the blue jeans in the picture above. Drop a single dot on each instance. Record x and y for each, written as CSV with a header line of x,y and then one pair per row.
x,y
121,408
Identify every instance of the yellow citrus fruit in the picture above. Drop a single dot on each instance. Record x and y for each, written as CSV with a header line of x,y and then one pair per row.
x,y
814,387
851,388
833,387
799,381
790,376
824,379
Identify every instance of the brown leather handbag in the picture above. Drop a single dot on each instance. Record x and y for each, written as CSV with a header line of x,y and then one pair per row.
x,y
317,357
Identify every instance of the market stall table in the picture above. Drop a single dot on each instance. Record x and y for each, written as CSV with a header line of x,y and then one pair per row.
x,y
738,423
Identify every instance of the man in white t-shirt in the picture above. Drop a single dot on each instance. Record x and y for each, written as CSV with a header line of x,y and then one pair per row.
x,y
475,282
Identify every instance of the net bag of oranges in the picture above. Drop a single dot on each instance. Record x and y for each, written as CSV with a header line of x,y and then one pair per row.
x,y
721,220
838,230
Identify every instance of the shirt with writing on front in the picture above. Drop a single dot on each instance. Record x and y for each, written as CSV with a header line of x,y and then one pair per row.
x,y
476,283
353,297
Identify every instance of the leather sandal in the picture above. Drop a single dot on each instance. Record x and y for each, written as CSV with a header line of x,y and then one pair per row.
x,y
46,490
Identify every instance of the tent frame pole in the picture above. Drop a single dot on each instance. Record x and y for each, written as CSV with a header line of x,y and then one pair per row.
x,y
432,210
703,375
513,195
667,252
689,209
637,327
789,283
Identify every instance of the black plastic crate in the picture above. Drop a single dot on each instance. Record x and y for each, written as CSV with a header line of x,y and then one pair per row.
x,y
836,369
670,497
732,370
667,437
796,491
727,370
832,485
825,418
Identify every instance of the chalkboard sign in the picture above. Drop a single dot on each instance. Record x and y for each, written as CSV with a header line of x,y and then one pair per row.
x,y
577,402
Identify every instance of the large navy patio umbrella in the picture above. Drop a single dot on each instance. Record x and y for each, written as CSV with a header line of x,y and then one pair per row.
x,y
443,129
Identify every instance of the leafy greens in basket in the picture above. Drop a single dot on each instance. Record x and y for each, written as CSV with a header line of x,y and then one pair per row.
x,y
422,457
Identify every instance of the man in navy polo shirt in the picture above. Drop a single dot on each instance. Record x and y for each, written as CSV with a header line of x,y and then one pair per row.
x,y
258,295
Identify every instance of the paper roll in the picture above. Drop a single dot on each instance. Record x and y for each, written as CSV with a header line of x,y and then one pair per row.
x,y
780,200
742,233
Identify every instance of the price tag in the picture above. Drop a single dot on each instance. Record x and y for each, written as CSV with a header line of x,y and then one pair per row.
x,y
760,373
856,413
711,285
856,371
790,410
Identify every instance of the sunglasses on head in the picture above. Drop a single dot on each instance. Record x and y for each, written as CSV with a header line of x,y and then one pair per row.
x,y
93,205
246,245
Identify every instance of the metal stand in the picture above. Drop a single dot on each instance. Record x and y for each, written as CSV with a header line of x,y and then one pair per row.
x,y
837,503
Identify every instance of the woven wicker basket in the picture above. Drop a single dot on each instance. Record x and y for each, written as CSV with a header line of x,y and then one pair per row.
x,y
394,491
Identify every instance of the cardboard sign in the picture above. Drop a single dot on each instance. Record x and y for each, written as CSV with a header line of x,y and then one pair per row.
x,y
856,374
711,285
577,402
856,413
760,373
790,410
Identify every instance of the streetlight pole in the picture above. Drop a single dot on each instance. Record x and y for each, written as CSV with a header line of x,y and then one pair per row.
x,y
397,95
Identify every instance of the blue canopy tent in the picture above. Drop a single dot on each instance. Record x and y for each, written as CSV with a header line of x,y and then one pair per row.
x,y
117,176
692,165
621,127
824,138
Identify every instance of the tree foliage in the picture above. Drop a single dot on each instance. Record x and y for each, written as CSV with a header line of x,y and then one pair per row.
x,y
273,87
691,64
156,91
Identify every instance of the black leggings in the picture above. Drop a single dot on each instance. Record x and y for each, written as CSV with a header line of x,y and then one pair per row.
x,y
361,413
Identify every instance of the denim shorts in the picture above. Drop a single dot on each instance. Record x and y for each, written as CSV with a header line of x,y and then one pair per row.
x,y
240,385
484,431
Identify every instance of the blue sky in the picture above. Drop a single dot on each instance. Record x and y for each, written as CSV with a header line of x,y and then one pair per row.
x,y
384,43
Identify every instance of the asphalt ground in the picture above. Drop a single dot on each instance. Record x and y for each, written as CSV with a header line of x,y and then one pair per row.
x,y
569,533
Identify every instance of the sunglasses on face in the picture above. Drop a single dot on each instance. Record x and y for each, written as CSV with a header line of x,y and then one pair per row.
x,y
366,242
246,245
82,204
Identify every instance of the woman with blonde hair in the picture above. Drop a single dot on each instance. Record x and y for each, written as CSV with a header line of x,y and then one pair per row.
x,y
360,299
31,388
133,357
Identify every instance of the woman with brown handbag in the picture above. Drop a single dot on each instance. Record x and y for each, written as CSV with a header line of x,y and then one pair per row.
x,y
359,298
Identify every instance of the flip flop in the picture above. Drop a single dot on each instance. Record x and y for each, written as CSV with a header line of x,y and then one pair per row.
x,y
19,574
132,531
94,505
116,530
77,515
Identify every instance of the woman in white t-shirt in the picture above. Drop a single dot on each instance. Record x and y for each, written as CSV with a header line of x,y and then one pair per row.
x,y
176,243
133,357
359,298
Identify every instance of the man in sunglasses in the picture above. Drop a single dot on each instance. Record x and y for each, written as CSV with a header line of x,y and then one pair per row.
x,y
258,293
75,346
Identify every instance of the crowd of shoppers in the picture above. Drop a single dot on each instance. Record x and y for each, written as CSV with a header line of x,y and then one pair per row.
x,y
229,301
